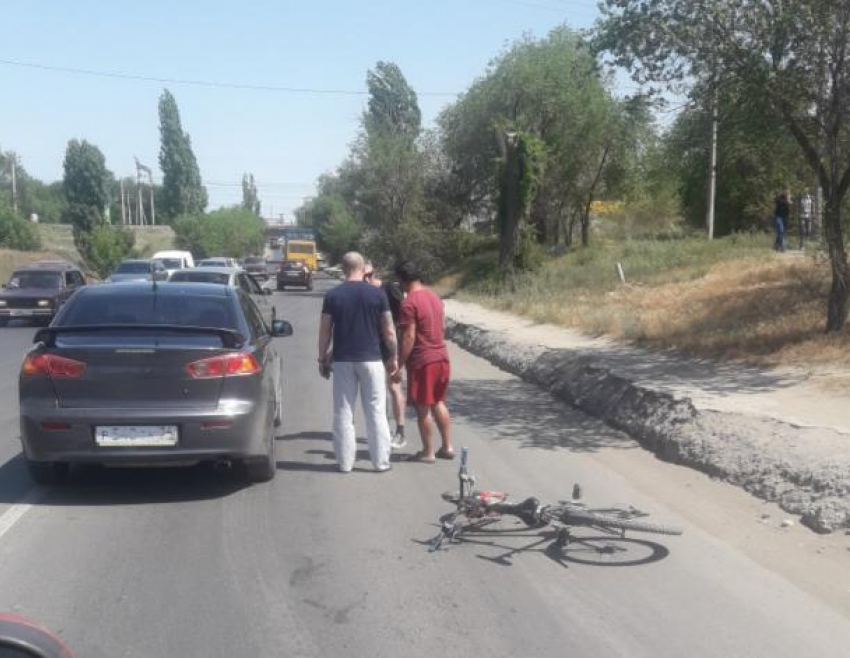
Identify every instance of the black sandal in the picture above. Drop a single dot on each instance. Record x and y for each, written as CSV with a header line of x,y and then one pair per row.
x,y
420,457
442,453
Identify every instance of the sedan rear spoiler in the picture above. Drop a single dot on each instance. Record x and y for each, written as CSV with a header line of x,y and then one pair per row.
x,y
229,337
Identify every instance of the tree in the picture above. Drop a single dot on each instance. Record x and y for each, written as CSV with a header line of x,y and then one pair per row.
x,y
393,106
548,90
85,185
231,232
47,201
250,196
86,179
183,192
105,246
793,54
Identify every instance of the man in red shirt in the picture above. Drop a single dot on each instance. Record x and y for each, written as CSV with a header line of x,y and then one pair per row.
x,y
423,350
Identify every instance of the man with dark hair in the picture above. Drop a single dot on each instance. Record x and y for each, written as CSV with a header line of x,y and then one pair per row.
x,y
357,316
423,351
395,297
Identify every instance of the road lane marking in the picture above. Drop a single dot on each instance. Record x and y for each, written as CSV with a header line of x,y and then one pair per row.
x,y
16,512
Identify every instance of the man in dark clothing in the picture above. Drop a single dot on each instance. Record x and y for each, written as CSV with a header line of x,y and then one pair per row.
x,y
395,296
423,351
357,316
780,219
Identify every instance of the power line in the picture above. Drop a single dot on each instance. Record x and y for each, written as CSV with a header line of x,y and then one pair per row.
x,y
202,83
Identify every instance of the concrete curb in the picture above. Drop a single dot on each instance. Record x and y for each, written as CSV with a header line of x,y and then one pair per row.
x,y
756,454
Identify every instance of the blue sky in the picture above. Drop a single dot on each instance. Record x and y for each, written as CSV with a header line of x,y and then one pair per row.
x,y
285,139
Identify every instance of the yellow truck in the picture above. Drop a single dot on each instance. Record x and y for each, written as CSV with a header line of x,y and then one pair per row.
x,y
303,250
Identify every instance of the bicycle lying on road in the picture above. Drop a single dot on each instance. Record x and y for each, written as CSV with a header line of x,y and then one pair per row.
x,y
476,510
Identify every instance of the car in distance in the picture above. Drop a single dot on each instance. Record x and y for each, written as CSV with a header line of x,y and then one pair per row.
x,y
134,374
218,262
174,260
36,291
235,279
138,269
294,273
256,266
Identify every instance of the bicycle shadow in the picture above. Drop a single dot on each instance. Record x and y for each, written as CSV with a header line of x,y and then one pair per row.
x,y
588,549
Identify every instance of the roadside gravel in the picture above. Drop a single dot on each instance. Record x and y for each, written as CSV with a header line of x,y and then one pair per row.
x,y
806,470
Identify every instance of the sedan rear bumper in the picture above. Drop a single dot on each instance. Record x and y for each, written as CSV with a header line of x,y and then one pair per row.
x,y
232,431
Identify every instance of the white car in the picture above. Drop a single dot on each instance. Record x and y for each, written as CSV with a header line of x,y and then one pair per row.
x,y
174,260
219,261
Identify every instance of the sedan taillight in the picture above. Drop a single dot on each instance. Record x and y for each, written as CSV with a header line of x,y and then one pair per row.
x,y
227,365
53,366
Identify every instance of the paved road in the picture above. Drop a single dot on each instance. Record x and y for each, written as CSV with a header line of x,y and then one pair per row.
x,y
185,563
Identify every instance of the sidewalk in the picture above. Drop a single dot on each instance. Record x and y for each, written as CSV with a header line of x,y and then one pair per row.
x,y
782,434
812,399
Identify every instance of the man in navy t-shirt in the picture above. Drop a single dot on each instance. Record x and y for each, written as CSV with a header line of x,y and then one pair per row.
x,y
357,316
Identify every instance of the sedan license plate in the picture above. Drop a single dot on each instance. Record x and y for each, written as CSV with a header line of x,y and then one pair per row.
x,y
293,275
132,436
18,313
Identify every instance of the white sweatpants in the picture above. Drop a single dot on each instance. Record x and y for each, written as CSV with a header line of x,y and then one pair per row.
x,y
370,379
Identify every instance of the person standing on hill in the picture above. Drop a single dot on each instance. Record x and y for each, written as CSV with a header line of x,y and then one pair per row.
x,y
423,351
781,215
357,316
806,211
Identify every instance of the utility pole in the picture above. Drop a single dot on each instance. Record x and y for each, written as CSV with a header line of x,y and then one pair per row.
x,y
13,160
712,175
123,207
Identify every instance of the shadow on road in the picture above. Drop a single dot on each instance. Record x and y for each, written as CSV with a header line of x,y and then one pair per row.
x,y
512,409
96,485
323,436
597,550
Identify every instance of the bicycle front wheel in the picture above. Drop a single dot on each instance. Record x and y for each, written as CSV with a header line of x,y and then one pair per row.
x,y
597,520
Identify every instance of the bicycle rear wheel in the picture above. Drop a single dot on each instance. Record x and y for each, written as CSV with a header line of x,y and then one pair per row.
x,y
596,520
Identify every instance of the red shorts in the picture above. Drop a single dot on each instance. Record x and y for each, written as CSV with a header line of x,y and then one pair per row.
x,y
428,384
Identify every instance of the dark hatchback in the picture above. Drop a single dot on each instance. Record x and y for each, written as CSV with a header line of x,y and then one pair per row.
x,y
135,374
294,273
37,291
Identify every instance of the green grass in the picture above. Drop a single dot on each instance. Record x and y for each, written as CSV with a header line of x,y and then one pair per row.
x,y
59,239
594,270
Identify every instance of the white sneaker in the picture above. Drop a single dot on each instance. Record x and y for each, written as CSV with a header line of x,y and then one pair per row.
x,y
398,441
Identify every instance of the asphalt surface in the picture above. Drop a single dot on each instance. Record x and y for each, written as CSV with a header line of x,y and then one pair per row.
x,y
191,562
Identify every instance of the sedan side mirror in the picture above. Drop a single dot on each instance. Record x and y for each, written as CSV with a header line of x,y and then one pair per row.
x,y
281,328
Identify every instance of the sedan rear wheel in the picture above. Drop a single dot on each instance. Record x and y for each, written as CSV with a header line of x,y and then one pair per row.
x,y
264,468
48,472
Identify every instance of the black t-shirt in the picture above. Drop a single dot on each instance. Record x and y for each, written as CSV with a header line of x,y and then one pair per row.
x,y
783,208
395,296
356,308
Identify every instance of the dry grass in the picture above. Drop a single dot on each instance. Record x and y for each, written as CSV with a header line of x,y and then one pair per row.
x,y
749,306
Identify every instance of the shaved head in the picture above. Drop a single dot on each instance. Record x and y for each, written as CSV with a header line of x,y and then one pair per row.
x,y
352,263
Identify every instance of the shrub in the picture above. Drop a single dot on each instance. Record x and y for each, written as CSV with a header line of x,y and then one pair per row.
x,y
16,232
104,247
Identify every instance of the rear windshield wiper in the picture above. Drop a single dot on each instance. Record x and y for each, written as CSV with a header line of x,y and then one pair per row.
x,y
230,338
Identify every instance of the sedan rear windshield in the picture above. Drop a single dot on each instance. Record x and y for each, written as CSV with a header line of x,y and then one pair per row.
x,y
172,263
133,268
254,260
292,265
201,277
213,263
129,309
32,280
